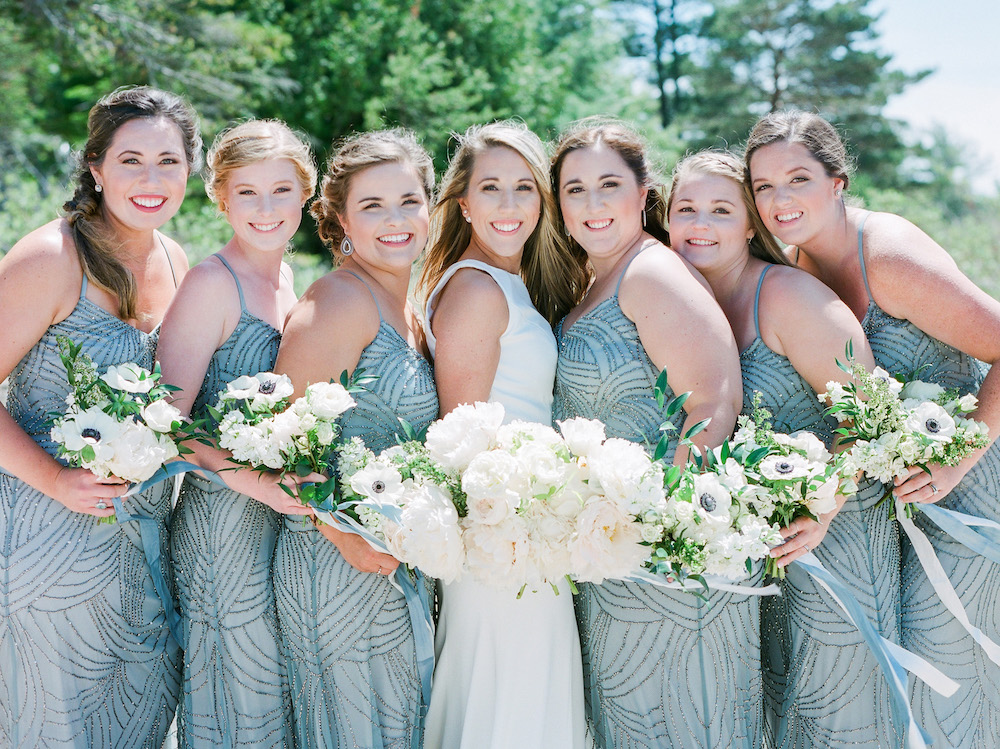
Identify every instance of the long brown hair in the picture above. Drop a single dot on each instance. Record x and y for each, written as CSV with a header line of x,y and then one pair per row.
x,y
807,128
763,245
554,276
96,243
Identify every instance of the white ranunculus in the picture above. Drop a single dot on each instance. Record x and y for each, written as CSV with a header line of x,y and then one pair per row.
x,y
932,421
378,482
138,453
329,400
921,391
160,416
807,442
454,440
607,542
129,377
583,436
784,467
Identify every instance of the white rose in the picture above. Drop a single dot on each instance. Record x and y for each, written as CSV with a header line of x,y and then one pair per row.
x,y
160,416
328,400
921,391
284,428
129,377
931,421
583,436
459,436
325,433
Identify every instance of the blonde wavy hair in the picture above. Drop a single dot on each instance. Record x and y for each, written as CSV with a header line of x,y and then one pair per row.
x,y
555,278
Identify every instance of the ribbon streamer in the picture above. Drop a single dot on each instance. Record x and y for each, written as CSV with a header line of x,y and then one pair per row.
x,y
961,527
412,589
940,582
149,532
714,582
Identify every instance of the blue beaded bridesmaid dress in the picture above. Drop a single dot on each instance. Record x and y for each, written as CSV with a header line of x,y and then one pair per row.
x,y
822,685
346,634
662,668
970,718
234,688
86,656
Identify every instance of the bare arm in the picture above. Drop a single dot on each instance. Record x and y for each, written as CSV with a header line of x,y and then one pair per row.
x,y
325,334
914,278
683,330
470,316
39,286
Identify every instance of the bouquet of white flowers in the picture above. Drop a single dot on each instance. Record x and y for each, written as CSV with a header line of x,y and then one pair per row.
x,y
788,476
406,501
263,430
523,489
899,421
119,423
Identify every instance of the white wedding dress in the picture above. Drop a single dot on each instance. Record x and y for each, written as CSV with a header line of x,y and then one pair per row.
x,y
508,673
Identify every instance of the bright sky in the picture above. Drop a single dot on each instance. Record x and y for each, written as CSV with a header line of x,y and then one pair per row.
x,y
959,39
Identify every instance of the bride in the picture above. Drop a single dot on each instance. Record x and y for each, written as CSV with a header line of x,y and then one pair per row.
x,y
508,670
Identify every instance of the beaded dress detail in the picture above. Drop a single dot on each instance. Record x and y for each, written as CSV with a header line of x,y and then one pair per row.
x,y
347,637
234,688
661,667
86,656
822,685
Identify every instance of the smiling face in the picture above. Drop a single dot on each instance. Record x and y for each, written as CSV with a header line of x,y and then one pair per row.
x,y
795,197
143,174
601,200
263,203
502,202
709,224
386,215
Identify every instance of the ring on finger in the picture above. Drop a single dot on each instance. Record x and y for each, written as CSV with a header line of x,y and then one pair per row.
x,y
806,547
379,570
934,489
101,505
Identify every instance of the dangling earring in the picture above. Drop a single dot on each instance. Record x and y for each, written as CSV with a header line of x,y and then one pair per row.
x,y
468,219
643,218
98,188
346,248
566,227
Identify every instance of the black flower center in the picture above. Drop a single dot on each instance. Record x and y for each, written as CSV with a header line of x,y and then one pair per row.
x,y
784,467
708,502
267,387
933,426
378,487
91,433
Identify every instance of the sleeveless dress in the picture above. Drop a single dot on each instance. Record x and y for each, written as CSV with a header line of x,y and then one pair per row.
x,y
970,718
346,635
662,668
822,685
86,656
508,672
234,690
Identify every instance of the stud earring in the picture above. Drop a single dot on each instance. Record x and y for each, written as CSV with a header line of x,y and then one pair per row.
x,y
98,188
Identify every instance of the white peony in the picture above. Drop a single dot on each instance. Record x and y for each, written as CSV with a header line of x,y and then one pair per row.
x,y
606,543
583,436
129,377
921,391
160,416
494,485
429,533
518,433
624,472
328,400
459,436
138,453
497,554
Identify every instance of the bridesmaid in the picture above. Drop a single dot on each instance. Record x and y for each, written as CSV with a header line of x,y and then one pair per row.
x,y
661,667
346,632
919,312
496,277
224,322
790,330
86,656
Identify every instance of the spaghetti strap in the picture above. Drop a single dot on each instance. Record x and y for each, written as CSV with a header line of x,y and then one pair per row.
x,y
374,298
83,287
170,262
239,289
861,257
624,270
756,300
